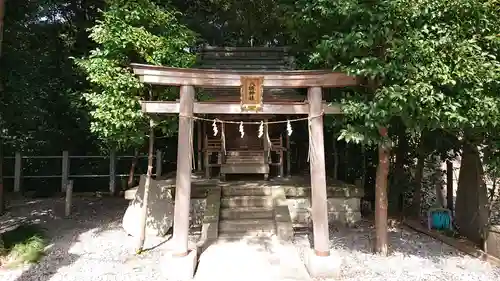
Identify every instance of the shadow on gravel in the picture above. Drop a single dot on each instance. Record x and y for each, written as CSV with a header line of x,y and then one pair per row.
x,y
401,240
96,214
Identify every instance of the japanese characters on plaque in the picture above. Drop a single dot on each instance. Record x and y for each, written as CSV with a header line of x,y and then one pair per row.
x,y
251,93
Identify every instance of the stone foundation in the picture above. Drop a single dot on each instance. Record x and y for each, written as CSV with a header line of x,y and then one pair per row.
x,y
344,200
196,210
340,210
343,210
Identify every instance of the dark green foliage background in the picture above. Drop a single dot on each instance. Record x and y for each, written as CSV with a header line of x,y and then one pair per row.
x,y
430,66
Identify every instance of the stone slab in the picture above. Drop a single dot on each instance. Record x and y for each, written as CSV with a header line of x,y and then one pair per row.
x,y
348,218
160,209
322,267
284,226
340,210
344,204
334,204
493,241
210,227
251,258
180,268
304,217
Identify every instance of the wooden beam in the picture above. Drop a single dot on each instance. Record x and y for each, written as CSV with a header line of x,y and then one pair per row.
x,y
169,76
170,107
183,178
318,175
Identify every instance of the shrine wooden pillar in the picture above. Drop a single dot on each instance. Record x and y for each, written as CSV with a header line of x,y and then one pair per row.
x,y
183,179
282,156
206,156
267,149
319,212
199,141
288,156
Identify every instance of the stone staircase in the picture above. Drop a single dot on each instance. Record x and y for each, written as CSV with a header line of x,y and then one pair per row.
x,y
245,162
246,211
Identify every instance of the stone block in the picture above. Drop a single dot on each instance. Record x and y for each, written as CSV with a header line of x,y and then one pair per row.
x,y
160,209
344,204
348,218
210,227
299,203
179,268
303,216
284,226
322,267
493,241
197,210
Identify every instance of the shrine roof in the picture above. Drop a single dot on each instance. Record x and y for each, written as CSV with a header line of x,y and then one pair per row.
x,y
245,58
258,59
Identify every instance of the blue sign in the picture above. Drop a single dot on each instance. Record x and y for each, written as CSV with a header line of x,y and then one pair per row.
x,y
439,219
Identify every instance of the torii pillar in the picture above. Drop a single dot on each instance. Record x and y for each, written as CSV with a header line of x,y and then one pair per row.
x,y
319,262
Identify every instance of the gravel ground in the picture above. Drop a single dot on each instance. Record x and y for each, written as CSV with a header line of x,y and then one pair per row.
x,y
92,246
413,257
88,246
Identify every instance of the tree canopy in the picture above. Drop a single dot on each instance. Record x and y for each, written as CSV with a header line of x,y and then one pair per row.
x,y
130,31
431,63
430,68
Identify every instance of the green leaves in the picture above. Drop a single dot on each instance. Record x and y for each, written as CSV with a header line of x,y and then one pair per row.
x,y
131,31
432,63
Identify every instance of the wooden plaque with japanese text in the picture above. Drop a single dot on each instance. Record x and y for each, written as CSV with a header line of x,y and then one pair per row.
x,y
251,93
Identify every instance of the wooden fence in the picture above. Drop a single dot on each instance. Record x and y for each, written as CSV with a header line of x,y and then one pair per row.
x,y
65,175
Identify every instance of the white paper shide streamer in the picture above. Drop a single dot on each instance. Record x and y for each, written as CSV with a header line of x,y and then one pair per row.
x,y
214,127
261,129
242,132
289,128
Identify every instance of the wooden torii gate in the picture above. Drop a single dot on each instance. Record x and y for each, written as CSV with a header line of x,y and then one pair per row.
x,y
186,107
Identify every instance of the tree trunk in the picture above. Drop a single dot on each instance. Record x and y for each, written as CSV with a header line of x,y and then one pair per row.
x,y
449,185
401,152
416,203
438,182
131,173
2,15
400,183
345,160
2,191
471,205
335,159
363,167
381,198
144,213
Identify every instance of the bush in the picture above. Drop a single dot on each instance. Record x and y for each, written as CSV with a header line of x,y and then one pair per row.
x,y
24,244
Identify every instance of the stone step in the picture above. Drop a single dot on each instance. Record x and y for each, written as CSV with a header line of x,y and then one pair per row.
x,y
247,201
246,227
250,235
228,191
246,213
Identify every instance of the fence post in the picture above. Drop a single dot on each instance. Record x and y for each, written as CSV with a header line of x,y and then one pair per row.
x,y
159,163
69,194
112,171
65,171
17,172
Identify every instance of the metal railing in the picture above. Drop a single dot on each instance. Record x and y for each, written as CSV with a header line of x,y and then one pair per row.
x,y
65,175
